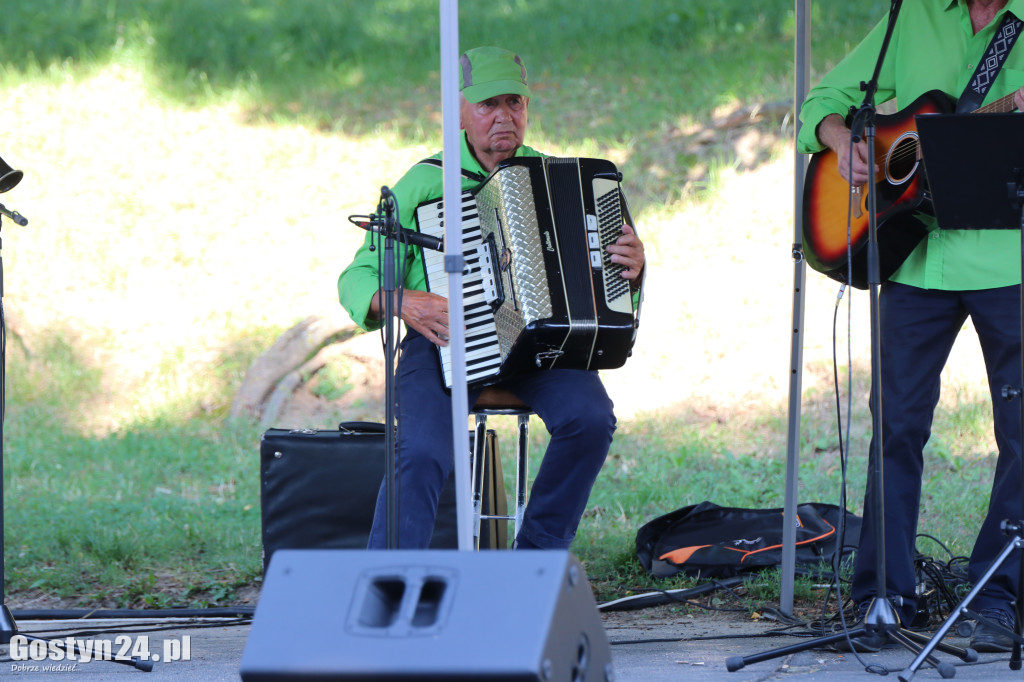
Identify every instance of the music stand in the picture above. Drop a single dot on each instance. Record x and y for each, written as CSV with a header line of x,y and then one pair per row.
x,y
975,169
970,159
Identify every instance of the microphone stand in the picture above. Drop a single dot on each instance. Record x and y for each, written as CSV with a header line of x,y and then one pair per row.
x,y
8,628
388,288
881,617
385,222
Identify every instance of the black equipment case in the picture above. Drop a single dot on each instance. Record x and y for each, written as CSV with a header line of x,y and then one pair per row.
x,y
318,490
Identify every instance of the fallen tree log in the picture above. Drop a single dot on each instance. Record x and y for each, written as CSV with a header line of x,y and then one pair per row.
x,y
287,360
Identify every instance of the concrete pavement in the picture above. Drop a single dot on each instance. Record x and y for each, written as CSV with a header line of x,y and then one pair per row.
x,y
649,645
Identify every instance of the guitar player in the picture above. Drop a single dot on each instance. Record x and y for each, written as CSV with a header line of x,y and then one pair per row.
x,y
950,275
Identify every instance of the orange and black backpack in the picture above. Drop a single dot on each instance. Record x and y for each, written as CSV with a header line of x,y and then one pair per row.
x,y
708,541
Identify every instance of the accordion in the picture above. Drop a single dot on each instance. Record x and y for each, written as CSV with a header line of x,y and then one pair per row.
x,y
539,289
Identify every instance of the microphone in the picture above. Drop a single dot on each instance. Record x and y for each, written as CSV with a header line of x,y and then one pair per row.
x,y
374,223
14,215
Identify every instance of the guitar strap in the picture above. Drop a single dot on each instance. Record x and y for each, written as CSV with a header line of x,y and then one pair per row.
x,y
990,64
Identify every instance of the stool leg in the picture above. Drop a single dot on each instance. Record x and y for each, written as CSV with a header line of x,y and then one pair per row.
x,y
477,466
522,469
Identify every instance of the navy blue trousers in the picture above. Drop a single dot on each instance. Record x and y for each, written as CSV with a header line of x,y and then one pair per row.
x,y
573,405
918,328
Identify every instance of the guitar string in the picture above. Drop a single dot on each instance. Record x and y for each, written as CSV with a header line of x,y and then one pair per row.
x,y
910,150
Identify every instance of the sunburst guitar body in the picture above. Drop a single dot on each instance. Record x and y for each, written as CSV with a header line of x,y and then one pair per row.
x,y
901,197
901,194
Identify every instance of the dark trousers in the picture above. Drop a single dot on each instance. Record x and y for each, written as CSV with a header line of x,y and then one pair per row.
x,y
573,405
918,328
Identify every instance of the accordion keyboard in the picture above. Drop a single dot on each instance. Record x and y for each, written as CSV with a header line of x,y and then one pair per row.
x,y
609,228
483,358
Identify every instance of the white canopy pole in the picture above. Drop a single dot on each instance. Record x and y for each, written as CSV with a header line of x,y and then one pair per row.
x,y
454,264
801,79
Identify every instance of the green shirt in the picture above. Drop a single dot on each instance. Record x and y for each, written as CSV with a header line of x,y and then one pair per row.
x,y
423,182
933,48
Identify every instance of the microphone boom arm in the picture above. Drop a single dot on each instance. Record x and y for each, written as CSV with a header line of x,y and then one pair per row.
x,y
14,215
385,223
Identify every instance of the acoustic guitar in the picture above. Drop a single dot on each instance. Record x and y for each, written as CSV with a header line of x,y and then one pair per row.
x,y
901,197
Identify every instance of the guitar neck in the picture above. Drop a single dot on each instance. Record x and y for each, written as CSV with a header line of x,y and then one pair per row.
x,y
1002,105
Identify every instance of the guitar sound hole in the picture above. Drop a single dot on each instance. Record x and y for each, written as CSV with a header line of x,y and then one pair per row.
x,y
902,162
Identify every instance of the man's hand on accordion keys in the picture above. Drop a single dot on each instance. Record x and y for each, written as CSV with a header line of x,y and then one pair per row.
x,y
427,313
628,251
423,311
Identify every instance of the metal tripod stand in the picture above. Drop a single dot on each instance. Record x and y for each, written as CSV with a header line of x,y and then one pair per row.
x,y
1014,528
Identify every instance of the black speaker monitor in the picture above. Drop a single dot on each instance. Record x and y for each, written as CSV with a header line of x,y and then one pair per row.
x,y
430,616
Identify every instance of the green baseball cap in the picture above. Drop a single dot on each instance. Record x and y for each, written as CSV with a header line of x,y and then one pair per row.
x,y
486,72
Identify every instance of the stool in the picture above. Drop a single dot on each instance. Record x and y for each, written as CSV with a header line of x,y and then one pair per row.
x,y
495,400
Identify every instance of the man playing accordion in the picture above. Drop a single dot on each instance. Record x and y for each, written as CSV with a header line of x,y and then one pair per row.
x,y
573,403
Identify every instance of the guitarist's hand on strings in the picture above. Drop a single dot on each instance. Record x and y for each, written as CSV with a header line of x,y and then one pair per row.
x,y
1018,99
833,133
423,311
